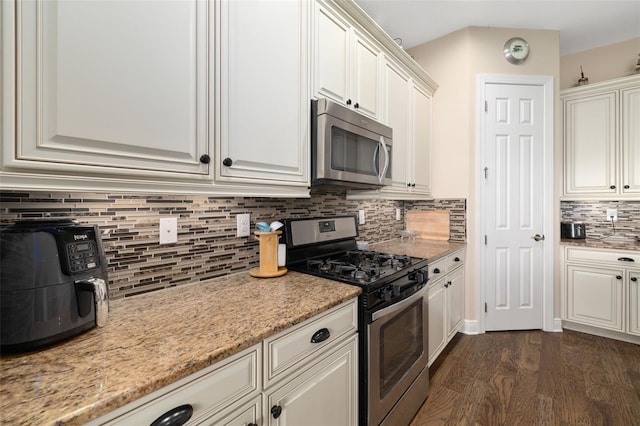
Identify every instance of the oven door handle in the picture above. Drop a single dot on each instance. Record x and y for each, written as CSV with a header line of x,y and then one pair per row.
x,y
398,306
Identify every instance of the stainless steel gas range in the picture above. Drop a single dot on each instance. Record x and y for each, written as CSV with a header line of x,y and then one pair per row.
x,y
394,378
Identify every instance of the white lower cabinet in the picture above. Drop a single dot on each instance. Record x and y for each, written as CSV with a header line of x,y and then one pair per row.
x,y
310,377
600,292
446,301
324,394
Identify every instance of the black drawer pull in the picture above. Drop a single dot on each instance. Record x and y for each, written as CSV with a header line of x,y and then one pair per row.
x,y
626,259
436,271
320,335
175,417
634,279
205,159
457,259
619,277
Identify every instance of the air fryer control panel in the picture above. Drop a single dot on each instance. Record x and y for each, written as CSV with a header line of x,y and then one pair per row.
x,y
78,249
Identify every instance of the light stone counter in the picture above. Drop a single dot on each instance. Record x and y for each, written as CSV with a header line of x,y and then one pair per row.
x,y
426,249
613,244
153,340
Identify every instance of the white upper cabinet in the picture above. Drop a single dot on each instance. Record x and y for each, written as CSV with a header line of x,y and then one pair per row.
x,y
264,108
347,65
107,88
407,110
602,139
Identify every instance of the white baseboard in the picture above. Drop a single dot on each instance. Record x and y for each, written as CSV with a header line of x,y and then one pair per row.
x,y
470,327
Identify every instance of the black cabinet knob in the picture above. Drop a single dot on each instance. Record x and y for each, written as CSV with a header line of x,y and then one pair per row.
x,y
276,410
612,187
227,162
627,187
205,159
457,259
634,279
619,277
436,271
357,105
348,101
413,185
175,417
409,185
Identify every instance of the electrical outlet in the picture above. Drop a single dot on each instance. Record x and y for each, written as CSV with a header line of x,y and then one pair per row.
x,y
168,230
398,217
612,214
360,217
243,222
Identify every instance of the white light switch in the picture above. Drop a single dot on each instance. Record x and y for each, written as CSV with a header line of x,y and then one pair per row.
x,y
168,230
398,217
361,217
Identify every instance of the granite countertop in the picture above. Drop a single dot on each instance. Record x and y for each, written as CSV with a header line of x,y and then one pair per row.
x,y
427,249
605,243
153,340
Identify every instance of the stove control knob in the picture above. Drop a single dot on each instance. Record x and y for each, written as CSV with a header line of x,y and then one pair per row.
x,y
395,290
386,293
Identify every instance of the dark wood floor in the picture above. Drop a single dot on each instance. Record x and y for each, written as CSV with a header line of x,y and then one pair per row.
x,y
534,378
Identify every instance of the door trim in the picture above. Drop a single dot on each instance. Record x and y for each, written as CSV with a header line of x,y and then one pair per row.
x,y
546,82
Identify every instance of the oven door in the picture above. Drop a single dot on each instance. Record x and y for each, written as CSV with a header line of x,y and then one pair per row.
x,y
345,153
398,339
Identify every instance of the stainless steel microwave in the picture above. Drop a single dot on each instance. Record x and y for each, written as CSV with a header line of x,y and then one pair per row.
x,y
348,148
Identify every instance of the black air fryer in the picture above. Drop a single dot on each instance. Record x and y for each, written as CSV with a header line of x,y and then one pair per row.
x,y
53,283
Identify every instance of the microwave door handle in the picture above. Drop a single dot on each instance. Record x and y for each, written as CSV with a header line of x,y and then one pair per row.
x,y
376,160
386,160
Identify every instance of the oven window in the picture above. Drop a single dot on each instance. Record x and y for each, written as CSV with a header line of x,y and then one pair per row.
x,y
353,153
400,345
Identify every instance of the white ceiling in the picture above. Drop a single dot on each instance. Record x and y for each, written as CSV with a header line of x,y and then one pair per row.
x,y
582,24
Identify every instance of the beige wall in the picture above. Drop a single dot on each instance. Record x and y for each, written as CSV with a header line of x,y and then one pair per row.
x,y
600,64
454,61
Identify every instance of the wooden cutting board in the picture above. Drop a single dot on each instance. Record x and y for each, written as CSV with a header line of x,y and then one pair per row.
x,y
433,225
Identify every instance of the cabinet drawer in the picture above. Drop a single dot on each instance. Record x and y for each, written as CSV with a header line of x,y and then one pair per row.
x,y
229,381
455,260
288,350
604,256
446,264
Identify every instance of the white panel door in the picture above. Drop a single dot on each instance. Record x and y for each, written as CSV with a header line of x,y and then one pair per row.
x,y
631,141
110,85
514,206
264,113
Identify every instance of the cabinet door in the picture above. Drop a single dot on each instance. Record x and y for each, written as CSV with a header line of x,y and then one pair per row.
x,y
630,141
365,93
437,332
264,114
590,144
113,87
634,303
594,296
331,55
421,141
396,116
325,394
455,301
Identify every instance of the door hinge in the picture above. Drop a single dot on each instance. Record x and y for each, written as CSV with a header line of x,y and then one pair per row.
x,y
486,106
486,172
485,307
485,240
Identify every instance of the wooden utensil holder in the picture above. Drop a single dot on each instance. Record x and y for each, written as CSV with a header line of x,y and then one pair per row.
x,y
268,256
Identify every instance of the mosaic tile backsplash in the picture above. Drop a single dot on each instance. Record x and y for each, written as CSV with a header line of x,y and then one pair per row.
x,y
207,245
593,214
